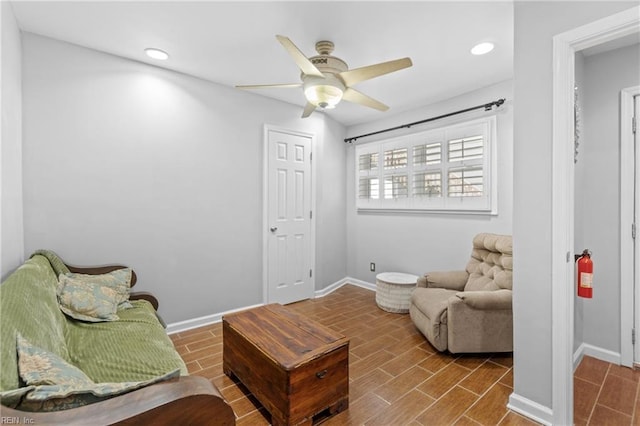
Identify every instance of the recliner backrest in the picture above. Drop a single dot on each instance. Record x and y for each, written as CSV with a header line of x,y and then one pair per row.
x,y
491,263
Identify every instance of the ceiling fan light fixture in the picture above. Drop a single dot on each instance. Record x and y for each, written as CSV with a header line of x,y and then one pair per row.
x,y
324,92
482,48
154,53
323,95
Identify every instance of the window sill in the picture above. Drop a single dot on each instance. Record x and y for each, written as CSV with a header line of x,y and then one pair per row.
x,y
440,212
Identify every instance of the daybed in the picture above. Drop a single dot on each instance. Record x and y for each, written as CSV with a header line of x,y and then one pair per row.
x,y
131,347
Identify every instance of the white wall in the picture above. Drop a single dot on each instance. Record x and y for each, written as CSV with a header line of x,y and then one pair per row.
x,y
11,216
331,220
420,242
126,162
605,75
535,24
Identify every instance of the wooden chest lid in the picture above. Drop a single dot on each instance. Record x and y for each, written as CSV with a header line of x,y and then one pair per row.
x,y
288,338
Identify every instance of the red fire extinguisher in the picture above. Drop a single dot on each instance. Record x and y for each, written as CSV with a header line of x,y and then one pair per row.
x,y
585,275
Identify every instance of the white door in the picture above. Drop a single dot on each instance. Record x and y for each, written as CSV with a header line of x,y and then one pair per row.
x,y
289,264
629,203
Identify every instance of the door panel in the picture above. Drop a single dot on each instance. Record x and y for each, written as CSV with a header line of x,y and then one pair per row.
x,y
289,218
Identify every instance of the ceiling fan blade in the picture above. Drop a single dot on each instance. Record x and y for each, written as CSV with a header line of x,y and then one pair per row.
x,y
308,109
302,61
268,86
352,95
357,75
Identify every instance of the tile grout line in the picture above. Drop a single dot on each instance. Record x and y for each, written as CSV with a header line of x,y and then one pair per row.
x,y
635,403
496,383
598,396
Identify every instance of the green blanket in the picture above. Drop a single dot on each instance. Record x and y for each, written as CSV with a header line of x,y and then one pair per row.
x,y
134,348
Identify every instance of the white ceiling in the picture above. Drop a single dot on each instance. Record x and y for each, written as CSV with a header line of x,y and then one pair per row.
x,y
234,42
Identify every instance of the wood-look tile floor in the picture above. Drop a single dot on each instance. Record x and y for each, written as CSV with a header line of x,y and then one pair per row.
x,y
395,376
605,394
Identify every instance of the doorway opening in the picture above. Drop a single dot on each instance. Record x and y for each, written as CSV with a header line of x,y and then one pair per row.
x,y
565,46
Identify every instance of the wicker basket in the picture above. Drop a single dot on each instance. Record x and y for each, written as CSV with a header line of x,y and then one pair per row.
x,y
393,291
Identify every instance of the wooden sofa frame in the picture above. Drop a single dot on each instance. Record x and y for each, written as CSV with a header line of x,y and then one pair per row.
x,y
189,400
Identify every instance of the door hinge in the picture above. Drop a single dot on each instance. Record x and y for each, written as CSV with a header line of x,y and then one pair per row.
x,y
310,273
311,156
310,214
633,124
633,231
633,336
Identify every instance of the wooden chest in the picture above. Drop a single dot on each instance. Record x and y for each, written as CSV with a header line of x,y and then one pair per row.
x,y
294,366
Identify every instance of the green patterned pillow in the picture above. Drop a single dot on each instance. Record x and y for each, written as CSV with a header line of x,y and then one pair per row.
x,y
119,280
54,384
39,367
86,300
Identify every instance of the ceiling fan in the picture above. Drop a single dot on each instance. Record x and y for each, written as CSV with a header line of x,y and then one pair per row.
x,y
326,79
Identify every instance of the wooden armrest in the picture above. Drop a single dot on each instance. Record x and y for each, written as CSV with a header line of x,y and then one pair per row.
x,y
144,295
99,270
186,400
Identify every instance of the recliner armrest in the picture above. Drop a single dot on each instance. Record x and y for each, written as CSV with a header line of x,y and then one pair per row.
x,y
452,280
487,300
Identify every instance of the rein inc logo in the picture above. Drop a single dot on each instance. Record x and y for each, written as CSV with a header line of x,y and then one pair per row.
x,y
5,420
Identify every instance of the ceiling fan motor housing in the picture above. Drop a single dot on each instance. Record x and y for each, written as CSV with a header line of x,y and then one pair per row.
x,y
329,64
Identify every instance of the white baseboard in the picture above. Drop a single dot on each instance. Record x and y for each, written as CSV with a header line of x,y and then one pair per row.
x,y
577,356
177,327
595,352
346,280
530,409
360,283
330,288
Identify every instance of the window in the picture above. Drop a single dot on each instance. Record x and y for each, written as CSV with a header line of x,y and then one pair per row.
x,y
369,161
427,184
395,158
369,188
395,186
445,169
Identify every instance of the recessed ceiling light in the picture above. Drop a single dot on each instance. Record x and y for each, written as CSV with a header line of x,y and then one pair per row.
x,y
156,53
482,48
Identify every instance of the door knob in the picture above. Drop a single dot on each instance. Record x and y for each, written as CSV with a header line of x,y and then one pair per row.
x,y
273,228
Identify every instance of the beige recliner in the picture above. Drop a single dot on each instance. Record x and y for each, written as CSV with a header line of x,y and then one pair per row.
x,y
470,310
